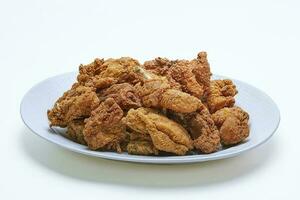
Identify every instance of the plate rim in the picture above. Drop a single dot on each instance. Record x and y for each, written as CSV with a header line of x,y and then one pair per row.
x,y
153,159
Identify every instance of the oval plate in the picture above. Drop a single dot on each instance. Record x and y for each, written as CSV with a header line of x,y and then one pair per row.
x,y
264,120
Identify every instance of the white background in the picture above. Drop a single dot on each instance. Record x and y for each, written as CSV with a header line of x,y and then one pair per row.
x,y
255,41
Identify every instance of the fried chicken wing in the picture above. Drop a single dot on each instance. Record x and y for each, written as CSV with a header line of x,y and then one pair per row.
x,y
157,93
124,94
221,95
233,124
104,129
78,102
75,129
165,134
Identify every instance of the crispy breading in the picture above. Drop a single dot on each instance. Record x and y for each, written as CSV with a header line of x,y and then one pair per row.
x,y
120,70
201,127
75,129
76,103
166,134
203,131
233,124
124,94
141,144
221,94
157,93
105,129
192,76
141,148
87,72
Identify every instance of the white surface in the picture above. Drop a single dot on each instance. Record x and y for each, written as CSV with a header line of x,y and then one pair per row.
x,y
264,120
257,42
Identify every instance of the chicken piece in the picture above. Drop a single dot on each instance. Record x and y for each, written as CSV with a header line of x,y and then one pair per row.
x,y
192,76
157,93
75,129
104,129
141,144
203,131
120,70
124,94
76,103
87,72
233,125
221,95
141,148
182,72
165,134
201,127
201,69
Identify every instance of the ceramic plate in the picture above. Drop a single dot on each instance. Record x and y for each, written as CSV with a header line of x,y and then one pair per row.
x,y
264,120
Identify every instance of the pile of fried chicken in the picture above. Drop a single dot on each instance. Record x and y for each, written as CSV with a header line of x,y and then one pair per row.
x,y
159,108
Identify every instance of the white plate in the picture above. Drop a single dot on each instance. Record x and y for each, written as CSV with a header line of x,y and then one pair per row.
x,y
264,120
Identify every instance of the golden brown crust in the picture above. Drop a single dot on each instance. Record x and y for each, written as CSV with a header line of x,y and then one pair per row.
x,y
124,94
233,125
192,76
105,129
76,103
141,148
157,93
75,129
113,71
166,135
221,94
203,131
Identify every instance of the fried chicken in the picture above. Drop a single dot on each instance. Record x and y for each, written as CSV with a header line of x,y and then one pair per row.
x,y
221,95
104,129
201,127
163,106
113,71
75,129
76,103
165,134
157,93
192,76
233,124
141,144
87,72
124,94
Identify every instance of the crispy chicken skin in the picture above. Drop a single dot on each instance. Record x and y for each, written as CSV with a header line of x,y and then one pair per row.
x,y
141,144
104,129
192,76
165,134
87,72
75,129
233,125
221,95
203,131
76,103
113,71
201,127
141,148
124,94
157,93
